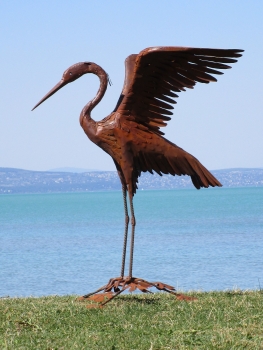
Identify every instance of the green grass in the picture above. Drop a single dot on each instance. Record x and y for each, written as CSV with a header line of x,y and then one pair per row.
x,y
217,320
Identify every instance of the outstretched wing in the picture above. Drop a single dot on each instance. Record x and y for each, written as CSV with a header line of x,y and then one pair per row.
x,y
155,76
152,152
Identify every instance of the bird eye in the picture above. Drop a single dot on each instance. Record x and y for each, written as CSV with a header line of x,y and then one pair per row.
x,y
70,73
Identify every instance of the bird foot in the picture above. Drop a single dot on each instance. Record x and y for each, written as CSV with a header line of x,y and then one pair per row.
x,y
118,285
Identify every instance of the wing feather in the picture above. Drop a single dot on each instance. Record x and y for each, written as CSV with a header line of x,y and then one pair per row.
x,y
154,153
155,76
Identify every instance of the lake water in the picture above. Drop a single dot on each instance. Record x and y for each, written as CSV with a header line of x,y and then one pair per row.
x,y
71,243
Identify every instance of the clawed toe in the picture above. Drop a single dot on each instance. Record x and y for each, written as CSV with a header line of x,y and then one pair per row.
x,y
118,285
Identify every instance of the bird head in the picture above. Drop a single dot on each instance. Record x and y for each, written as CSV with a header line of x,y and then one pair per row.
x,y
72,73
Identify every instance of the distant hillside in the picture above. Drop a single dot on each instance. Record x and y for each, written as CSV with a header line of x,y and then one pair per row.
x,y
26,181
71,170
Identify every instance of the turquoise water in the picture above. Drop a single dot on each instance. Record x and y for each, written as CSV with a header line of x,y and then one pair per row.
x,y
210,239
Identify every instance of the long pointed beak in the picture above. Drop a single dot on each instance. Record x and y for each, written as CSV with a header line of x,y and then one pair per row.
x,y
51,92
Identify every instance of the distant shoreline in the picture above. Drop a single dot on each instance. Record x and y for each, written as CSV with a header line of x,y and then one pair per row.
x,y
19,181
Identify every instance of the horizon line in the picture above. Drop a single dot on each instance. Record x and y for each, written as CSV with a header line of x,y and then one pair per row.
x,y
82,170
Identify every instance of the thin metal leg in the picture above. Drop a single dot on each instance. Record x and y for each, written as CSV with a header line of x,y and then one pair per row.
x,y
124,192
133,223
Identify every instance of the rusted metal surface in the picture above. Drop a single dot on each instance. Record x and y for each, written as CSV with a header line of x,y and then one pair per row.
x,y
118,285
131,134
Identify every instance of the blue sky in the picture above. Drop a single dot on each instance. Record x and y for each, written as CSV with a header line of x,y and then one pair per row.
x,y
221,123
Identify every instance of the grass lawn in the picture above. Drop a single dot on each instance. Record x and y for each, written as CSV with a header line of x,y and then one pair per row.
x,y
217,320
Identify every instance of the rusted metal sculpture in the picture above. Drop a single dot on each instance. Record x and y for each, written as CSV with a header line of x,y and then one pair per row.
x,y
131,134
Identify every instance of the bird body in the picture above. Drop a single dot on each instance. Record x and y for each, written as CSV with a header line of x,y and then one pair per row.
x,y
136,149
131,134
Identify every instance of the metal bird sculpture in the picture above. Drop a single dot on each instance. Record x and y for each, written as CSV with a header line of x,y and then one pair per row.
x,y
131,134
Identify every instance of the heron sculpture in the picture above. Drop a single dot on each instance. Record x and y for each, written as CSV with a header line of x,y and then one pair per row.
x,y
131,134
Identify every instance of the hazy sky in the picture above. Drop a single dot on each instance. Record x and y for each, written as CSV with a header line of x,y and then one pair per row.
x,y
220,123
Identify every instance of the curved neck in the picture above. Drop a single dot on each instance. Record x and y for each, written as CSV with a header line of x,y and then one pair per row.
x,y
97,70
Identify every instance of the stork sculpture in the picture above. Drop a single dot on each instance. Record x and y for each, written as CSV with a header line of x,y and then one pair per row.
x,y
131,134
